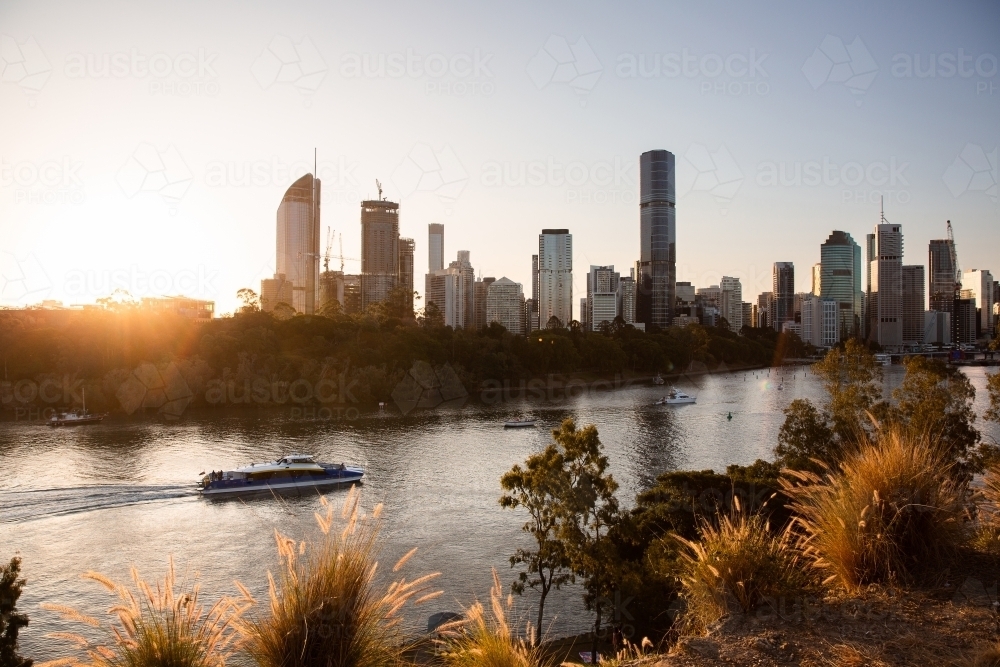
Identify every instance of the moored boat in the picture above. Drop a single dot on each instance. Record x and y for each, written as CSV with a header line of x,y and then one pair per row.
x,y
516,423
294,472
676,397
75,418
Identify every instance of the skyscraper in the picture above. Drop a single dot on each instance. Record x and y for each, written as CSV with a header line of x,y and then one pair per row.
x,y
840,280
532,323
463,265
913,304
602,296
626,298
379,250
782,305
817,279
298,242
505,305
885,284
979,284
731,302
657,266
406,250
435,247
481,292
555,277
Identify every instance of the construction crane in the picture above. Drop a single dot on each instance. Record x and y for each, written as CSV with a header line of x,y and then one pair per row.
x,y
329,248
954,258
340,240
379,186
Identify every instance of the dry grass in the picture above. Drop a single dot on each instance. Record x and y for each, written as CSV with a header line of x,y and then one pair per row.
x,y
326,608
890,514
736,567
154,626
481,641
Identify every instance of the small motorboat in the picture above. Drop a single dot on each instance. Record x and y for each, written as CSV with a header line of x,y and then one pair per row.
x,y
658,380
518,423
676,397
76,418
294,472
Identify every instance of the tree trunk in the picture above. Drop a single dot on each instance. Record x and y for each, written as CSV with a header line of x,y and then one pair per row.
x,y
597,635
541,610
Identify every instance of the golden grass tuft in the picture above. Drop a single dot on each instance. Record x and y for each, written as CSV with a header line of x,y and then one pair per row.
x,y
326,608
154,626
892,513
736,566
479,640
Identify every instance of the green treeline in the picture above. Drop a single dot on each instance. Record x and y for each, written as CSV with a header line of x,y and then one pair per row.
x,y
49,357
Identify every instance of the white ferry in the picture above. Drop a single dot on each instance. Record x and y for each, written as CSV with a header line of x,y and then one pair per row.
x,y
289,473
676,397
883,359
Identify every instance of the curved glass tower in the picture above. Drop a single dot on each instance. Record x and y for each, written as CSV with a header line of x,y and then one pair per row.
x,y
657,266
298,241
840,280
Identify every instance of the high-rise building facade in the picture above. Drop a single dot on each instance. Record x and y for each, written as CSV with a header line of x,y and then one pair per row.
x,y
817,279
532,324
555,277
407,247
463,265
379,250
820,322
885,285
765,302
435,247
840,280
626,298
505,305
481,291
943,282
968,322
782,306
731,302
913,304
656,276
979,283
274,291
298,242
602,296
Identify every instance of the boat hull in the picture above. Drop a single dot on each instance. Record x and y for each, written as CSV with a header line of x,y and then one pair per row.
x,y
235,487
76,422
518,424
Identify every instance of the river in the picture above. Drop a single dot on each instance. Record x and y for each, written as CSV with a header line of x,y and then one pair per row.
x,y
121,493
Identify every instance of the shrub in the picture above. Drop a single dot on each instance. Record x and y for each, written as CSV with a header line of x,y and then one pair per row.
x,y
11,621
478,641
892,512
157,627
736,566
326,609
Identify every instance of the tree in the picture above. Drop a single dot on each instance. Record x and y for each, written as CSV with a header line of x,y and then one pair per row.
x,y
590,510
250,300
10,620
537,488
433,317
805,437
554,323
935,401
853,380
993,387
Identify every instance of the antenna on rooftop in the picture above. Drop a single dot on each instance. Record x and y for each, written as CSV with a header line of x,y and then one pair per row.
x,y
881,206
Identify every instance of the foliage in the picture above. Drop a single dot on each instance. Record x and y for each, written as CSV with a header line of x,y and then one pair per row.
x,y
806,441
737,565
157,626
891,512
538,488
478,641
11,620
993,388
326,609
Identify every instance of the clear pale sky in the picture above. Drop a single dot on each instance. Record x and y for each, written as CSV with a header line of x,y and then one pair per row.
x,y
160,171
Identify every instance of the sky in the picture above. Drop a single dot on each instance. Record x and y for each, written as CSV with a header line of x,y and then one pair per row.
x,y
146,145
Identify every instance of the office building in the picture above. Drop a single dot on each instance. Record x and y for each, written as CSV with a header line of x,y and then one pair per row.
x,y
274,291
182,306
765,302
968,320
331,291
406,250
885,285
352,293
943,279
297,246
979,284
937,327
464,267
555,278
505,305
626,298
913,304
748,314
820,323
782,306
601,304
584,314
379,250
452,291
435,247
840,280
657,267
731,302
481,291
817,279
532,303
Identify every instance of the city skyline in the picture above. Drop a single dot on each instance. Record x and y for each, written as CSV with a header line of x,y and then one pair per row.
x,y
164,177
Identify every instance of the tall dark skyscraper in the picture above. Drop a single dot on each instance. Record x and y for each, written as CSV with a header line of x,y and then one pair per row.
x,y
657,275
840,279
782,295
379,250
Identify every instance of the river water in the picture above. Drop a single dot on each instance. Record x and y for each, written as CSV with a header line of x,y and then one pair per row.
x,y
121,493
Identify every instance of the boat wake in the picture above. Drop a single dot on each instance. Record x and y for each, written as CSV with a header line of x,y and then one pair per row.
x,y
17,506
